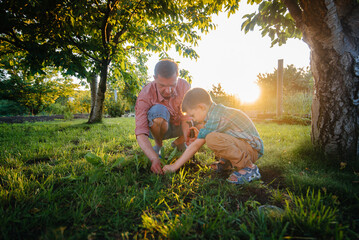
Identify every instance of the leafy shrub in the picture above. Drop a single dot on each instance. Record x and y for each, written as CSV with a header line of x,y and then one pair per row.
x,y
81,102
56,109
68,115
11,108
61,109
114,109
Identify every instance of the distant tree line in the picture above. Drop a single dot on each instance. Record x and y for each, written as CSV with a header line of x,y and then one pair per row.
x,y
219,96
297,91
295,80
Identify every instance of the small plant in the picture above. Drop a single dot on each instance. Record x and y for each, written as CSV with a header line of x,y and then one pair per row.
x,y
277,197
172,157
313,214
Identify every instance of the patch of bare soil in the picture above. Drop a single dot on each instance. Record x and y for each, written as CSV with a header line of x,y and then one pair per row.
x,y
273,177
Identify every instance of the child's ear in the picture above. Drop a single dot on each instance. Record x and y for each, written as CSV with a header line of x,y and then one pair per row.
x,y
202,106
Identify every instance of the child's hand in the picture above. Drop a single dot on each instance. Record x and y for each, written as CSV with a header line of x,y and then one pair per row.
x,y
192,135
169,168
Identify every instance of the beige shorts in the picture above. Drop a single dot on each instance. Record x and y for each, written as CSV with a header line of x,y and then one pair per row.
x,y
237,151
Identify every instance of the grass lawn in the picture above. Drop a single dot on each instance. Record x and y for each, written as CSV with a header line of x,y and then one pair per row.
x,y
71,180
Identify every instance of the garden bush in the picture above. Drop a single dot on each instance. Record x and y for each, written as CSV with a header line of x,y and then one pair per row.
x,y
114,109
11,108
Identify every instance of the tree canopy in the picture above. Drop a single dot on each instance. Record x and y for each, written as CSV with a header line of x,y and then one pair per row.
x,y
274,20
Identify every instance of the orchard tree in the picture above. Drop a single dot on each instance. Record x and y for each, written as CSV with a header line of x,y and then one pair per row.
x,y
105,32
331,30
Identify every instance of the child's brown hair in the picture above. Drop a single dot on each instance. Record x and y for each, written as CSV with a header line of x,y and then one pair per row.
x,y
194,97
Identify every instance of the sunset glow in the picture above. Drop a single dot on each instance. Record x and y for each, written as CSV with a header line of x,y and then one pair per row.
x,y
248,93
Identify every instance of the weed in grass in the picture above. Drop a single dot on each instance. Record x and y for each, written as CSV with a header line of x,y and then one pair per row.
x,y
313,214
278,197
261,225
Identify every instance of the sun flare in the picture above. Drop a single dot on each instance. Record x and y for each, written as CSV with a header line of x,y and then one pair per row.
x,y
247,92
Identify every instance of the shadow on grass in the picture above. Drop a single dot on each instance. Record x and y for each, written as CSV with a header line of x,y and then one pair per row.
x,y
311,168
313,157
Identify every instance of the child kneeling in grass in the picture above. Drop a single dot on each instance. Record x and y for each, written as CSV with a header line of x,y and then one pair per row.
x,y
228,132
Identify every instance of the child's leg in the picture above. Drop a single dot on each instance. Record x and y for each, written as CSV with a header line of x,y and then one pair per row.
x,y
239,152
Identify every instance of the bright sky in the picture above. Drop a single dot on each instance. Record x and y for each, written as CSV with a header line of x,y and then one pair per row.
x,y
234,59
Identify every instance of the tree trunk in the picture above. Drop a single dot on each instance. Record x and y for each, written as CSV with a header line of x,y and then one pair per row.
x,y
331,32
93,89
100,97
334,116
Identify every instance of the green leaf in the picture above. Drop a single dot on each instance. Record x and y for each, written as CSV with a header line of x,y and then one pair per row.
x,y
172,155
118,162
93,159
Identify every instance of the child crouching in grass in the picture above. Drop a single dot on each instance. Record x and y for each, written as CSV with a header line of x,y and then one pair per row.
x,y
228,132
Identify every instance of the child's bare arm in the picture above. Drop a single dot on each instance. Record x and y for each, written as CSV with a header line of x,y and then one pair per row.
x,y
190,151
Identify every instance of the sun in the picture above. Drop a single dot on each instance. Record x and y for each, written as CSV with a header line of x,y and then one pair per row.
x,y
247,92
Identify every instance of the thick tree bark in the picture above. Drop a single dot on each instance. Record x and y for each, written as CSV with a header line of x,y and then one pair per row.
x,y
100,97
331,30
334,116
93,88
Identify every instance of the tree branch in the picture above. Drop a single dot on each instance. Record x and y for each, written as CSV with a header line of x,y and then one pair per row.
x,y
123,30
16,41
83,50
98,6
295,11
7,40
104,25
